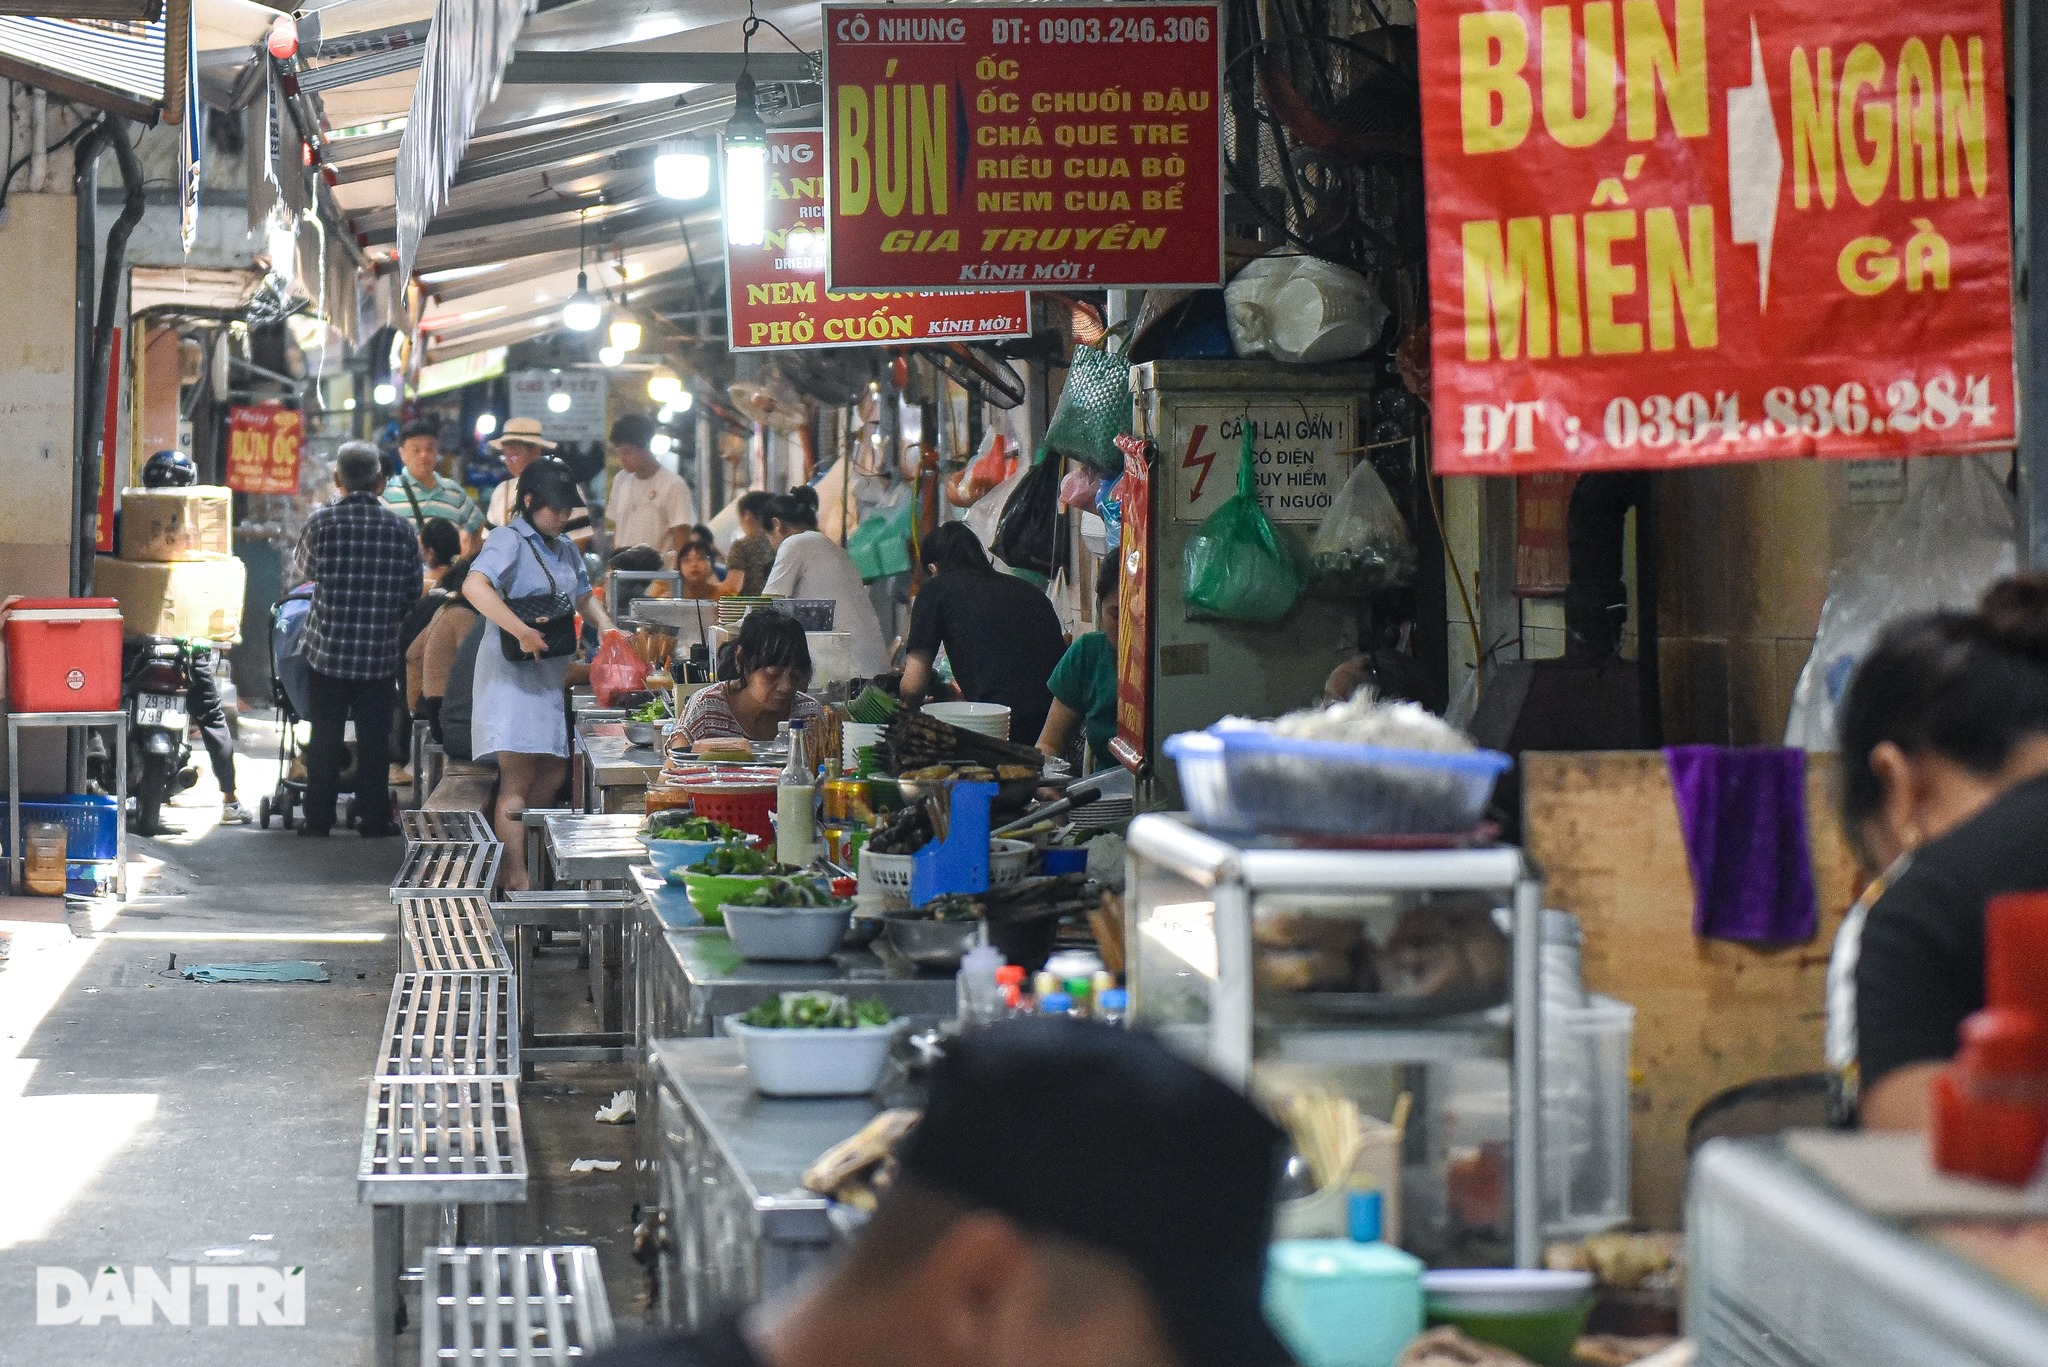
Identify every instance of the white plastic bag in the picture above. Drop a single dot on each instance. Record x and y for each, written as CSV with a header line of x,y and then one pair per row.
x,y
1363,544
1302,310
988,509
1955,534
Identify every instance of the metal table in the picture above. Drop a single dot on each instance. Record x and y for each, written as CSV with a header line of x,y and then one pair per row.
x,y
17,722
739,1226
585,847
614,773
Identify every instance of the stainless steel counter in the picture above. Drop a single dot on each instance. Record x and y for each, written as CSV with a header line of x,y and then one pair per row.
x,y
614,772
589,848
738,1225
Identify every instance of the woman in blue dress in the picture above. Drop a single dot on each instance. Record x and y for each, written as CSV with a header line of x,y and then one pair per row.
x,y
519,714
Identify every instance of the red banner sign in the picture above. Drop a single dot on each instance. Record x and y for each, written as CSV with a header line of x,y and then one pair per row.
x,y
1132,744
263,449
777,289
1010,145
1665,232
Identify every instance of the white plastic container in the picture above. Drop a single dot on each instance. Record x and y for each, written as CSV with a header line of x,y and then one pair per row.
x,y
1586,1117
885,878
787,934
813,1062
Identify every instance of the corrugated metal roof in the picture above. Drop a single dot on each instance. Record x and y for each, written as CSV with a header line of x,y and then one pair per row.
x,y
125,58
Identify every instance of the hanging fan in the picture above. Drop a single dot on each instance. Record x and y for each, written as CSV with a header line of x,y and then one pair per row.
x,y
1323,135
784,412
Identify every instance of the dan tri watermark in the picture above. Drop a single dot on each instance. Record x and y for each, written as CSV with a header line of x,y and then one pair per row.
x,y
240,1295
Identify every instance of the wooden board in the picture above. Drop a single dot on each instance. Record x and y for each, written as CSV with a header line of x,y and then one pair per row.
x,y
1709,1014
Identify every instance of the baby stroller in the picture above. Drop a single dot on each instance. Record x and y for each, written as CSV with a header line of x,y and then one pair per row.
x,y
289,687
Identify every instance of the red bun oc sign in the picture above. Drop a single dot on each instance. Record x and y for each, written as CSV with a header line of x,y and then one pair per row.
x,y
776,290
1005,146
1667,232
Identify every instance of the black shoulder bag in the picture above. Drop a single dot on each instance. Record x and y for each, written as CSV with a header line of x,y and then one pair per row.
x,y
552,614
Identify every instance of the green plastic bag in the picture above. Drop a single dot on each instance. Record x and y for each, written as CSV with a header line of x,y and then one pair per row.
x,y
1094,407
1236,566
880,546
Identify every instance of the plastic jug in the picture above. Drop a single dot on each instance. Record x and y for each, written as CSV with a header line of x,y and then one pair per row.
x,y
1342,1304
44,844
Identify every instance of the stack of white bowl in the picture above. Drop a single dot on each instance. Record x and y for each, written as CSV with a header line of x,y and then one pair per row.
x,y
852,736
988,718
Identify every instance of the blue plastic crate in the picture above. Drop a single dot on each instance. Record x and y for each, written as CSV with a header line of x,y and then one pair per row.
x,y
94,823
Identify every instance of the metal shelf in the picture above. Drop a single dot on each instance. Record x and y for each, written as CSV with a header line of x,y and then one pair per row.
x,y
17,722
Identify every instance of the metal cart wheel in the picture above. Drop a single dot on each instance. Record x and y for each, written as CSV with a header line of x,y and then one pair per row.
x,y
263,813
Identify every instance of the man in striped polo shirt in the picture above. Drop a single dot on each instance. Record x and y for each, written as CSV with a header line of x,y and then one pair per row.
x,y
419,492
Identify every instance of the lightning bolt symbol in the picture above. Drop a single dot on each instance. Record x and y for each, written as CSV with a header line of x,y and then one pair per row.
x,y
1198,459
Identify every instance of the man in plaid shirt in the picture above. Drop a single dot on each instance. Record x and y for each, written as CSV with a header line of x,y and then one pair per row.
x,y
364,561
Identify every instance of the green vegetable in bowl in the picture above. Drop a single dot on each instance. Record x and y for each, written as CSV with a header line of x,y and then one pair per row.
x,y
673,824
787,892
734,859
817,1011
654,711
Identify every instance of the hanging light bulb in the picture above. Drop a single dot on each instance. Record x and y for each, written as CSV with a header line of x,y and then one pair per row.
x,y
682,170
664,386
581,312
624,334
559,401
660,444
385,394
610,356
746,169
666,415
486,423
682,402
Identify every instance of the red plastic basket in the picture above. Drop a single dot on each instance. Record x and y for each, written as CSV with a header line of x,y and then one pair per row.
x,y
745,807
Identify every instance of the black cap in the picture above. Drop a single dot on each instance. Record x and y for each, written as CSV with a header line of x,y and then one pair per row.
x,y
1106,1138
635,429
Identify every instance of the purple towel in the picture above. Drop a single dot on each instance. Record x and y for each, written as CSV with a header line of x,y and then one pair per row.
x,y
1743,813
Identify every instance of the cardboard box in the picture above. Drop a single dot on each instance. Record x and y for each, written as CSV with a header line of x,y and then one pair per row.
x,y
195,523
196,599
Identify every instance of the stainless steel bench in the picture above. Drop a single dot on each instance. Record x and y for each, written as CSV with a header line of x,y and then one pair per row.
x,y
446,1143
437,868
597,916
428,827
512,1305
451,1025
440,934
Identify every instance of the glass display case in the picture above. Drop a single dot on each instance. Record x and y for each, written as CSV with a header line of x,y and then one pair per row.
x,y
1368,973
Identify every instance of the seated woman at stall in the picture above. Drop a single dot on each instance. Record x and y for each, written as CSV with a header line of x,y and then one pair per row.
x,y
1001,635
1083,683
700,572
1944,786
770,668
430,656
809,564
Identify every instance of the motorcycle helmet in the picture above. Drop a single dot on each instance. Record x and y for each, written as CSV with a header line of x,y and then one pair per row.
x,y
169,470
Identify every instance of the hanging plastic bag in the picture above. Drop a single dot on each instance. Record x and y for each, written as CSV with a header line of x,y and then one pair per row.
x,y
1095,406
1235,565
1955,535
1032,534
987,512
617,670
1077,490
1363,544
1110,510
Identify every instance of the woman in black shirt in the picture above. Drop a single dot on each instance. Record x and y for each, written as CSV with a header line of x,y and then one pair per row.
x,y
1000,634
1944,750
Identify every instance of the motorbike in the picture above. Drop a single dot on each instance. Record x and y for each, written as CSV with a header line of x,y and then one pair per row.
x,y
154,678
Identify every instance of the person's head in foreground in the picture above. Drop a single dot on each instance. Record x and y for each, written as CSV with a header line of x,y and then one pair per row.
x,y
1076,1196
756,511
358,468
546,497
694,560
520,443
1945,714
419,448
953,547
771,662
793,513
440,542
632,443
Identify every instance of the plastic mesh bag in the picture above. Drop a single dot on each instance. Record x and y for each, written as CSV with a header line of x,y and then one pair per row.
x,y
1235,565
1953,536
1363,544
1095,407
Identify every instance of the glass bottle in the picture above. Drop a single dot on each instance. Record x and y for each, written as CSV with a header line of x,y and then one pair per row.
x,y
796,812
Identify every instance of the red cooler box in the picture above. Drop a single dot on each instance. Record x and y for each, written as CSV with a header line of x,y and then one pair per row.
x,y
64,655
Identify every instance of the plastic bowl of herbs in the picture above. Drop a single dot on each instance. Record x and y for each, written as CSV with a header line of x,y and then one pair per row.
x,y
677,839
787,920
814,1044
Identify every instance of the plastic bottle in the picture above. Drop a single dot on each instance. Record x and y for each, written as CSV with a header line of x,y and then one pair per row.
x,y
1113,1007
44,844
1055,1004
796,813
1080,990
975,986
1045,984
